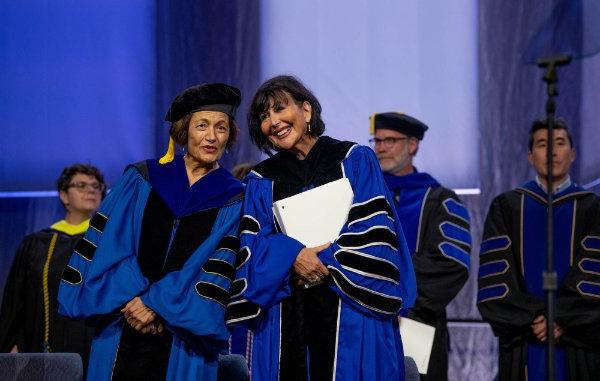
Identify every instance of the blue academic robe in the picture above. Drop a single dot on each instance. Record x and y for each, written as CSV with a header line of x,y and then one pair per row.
x,y
188,289
512,259
347,328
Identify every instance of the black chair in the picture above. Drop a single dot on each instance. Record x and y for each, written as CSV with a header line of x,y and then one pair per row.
x,y
232,368
40,366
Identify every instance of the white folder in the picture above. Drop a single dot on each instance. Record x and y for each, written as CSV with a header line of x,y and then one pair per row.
x,y
316,216
417,340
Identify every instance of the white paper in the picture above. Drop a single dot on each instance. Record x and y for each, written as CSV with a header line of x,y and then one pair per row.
x,y
417,340
316,216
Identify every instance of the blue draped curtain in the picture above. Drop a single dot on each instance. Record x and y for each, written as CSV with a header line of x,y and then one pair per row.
x,y
208,41
91,82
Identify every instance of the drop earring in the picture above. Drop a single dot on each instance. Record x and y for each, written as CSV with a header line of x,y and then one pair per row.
x,y
308,123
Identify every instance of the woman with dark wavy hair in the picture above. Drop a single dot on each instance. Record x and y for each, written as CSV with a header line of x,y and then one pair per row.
x,y
326,312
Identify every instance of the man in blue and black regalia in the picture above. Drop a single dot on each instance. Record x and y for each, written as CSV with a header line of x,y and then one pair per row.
x,y
513,258
435,224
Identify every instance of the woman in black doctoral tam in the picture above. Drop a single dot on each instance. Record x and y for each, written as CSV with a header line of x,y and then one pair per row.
x,y
155,271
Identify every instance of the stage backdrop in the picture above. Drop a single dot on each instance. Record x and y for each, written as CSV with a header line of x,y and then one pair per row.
x,y
361,57
78,82
91,82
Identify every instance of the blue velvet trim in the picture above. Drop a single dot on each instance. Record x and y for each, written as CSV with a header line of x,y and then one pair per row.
x,y
591,243
589,288
409,208
494,244
412,189
171,182
591,266
533,187
456,233
454,252
413,180
534,242
496,291
456,209
493,268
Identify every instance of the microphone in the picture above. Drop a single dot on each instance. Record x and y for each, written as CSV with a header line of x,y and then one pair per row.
x,y
554,61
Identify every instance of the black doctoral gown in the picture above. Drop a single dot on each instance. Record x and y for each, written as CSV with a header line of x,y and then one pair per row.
x,y
512,259
22,315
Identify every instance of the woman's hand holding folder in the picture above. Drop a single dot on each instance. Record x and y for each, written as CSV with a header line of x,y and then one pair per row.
x,y
308,267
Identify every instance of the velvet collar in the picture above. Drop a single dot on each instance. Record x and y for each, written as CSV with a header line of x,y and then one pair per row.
x,y
284,167
170,181
412,180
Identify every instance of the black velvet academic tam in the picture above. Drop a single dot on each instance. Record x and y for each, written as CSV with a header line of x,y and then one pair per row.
x,y
402,123
206,97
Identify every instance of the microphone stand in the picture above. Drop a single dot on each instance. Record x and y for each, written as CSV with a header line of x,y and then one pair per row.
x,y
549,276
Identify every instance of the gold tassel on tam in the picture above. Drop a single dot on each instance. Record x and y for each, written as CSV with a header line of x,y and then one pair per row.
x,y
372,124
170,154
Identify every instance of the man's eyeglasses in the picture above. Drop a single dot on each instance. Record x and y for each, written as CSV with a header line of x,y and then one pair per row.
x,y
82,185
387,142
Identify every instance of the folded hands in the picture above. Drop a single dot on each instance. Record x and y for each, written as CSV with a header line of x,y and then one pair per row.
x,y
141,318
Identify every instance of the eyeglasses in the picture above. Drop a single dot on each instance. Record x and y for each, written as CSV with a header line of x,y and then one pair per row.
x,y
82,185
387,142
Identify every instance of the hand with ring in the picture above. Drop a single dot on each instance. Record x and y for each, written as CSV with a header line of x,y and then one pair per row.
x,y
308,266
140,317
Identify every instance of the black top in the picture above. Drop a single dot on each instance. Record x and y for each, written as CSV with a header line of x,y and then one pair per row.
x,y
309,316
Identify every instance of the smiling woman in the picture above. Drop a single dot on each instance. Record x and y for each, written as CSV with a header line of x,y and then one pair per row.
x,y
158,265
285,116
286,123
327,312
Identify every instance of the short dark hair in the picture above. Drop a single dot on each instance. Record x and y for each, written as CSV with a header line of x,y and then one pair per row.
x,y
540,124
179,131
62,184
278,88
241,170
